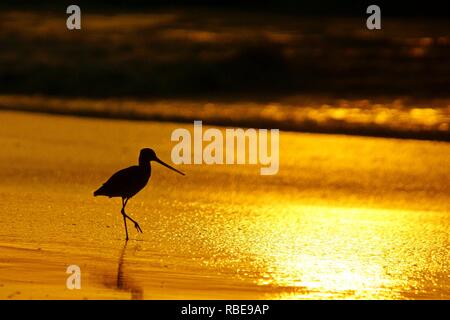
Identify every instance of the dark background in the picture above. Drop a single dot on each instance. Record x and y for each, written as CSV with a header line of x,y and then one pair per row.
x,y
399,8
329,52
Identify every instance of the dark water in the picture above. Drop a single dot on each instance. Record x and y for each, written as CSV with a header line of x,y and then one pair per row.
x,y
250,69
222,54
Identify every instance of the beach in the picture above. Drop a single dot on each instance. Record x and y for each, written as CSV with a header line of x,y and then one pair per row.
x,y
346,217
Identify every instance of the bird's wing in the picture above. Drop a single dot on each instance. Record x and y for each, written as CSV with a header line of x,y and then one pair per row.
x,y
119,182
124,176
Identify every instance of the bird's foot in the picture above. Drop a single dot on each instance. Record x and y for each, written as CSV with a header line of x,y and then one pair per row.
x,y
138,228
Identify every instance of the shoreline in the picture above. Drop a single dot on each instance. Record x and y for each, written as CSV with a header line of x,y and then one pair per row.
x,y
262,116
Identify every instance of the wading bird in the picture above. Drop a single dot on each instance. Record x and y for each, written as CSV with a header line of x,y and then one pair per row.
x,y
128,182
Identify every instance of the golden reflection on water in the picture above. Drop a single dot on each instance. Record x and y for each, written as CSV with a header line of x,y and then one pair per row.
x,y
318,229
356,253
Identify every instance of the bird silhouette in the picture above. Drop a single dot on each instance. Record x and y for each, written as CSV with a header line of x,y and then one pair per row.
x,y
129,181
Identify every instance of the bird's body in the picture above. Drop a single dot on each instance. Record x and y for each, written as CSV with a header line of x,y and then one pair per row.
x,y
127,182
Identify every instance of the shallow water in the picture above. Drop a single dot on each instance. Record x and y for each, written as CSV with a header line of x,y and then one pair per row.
x,y
346,217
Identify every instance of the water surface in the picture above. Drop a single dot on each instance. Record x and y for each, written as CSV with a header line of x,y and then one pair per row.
x,y
345,218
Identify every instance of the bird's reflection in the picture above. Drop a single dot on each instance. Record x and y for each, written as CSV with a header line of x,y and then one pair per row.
x,y
124,283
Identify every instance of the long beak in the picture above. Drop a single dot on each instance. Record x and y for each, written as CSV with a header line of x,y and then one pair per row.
x,y
170,167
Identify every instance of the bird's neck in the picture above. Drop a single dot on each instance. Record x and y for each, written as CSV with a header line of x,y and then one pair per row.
x,y
144,165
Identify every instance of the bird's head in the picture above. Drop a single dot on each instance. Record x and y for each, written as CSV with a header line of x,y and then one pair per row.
x,y
146,155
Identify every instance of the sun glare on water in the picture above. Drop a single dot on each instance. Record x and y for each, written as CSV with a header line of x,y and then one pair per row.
x,y
349,253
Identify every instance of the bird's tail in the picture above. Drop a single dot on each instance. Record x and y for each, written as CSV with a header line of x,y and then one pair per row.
x,y
99,192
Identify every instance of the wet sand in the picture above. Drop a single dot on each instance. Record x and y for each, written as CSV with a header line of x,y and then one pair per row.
x,y
345,218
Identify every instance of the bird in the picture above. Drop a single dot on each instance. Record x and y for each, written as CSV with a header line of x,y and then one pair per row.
x,y
127,182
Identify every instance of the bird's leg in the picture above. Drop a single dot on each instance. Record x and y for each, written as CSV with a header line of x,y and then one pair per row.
x,y
124,219
126,231
136,225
